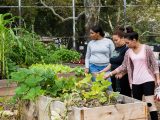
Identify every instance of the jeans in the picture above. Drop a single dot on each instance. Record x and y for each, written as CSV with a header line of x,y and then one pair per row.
x,y
94,68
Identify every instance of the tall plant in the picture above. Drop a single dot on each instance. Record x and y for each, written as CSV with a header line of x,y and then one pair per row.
x,y
7,38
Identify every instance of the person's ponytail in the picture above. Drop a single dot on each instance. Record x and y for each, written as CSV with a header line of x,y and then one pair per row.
x,y
129,29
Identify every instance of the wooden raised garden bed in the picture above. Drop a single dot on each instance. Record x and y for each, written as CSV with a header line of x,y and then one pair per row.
x,y
7,89
127,109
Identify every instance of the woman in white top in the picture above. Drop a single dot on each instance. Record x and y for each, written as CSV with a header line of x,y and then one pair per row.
x,y
99,51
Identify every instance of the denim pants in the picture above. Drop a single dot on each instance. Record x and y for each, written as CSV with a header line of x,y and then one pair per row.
x,y
94,68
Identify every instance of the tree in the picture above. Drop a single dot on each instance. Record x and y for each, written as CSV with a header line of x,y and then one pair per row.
x,y
62,11
6,3
144,17
92,12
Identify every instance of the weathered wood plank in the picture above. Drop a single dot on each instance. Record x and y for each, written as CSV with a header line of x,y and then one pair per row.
x,y
46,105
131,110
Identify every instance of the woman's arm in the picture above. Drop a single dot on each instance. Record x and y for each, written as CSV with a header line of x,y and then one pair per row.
x,y
87,57
110,74
106,69
157,79
112,48
154,64
122,68
152,60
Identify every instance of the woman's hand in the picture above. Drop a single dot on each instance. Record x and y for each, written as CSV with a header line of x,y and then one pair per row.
x,y
86,70
119,75
106,76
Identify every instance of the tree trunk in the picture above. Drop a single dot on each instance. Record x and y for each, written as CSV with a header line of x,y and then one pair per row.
x,y
92,12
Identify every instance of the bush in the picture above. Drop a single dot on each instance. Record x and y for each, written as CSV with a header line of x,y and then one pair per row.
x,y
62,56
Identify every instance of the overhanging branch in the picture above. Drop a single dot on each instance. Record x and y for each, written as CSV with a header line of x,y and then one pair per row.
x,y
108,22
59,16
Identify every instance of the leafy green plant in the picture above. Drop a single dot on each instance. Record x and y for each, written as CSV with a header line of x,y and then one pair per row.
x,y
42,79
18,46
28,84
56,68
29,50
97,90
79,71
7,40
63,55
24,48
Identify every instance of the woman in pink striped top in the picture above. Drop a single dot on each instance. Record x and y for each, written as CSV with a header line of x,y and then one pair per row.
x,y
143,71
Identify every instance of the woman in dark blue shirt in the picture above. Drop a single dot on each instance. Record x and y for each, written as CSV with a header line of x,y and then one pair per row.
x,y
122,84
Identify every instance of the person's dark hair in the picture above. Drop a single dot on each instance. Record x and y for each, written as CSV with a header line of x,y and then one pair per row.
x,y
129,29
97,29
121,28
119,33
123,32
131,36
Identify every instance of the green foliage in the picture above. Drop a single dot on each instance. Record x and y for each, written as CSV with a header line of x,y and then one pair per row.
x,y
24,48
57,68
96,90
7,40
52,84
79,71
21,49
48,80
140,14
12,67
28,50
42,79
62,55
28,84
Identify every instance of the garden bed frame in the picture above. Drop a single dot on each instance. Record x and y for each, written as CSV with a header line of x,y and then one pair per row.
x,y
128,109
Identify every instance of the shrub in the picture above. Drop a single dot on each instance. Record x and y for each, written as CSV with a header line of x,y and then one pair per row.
x,y
62,56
